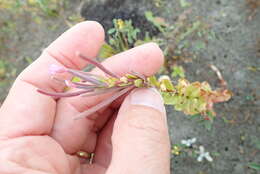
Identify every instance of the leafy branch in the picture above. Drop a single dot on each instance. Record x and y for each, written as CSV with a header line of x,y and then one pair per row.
x,y
121,38
190,98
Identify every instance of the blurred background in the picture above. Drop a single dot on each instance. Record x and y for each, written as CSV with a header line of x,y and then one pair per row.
x,y
193,34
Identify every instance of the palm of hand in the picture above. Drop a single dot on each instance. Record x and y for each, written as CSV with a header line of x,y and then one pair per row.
x,y
36,154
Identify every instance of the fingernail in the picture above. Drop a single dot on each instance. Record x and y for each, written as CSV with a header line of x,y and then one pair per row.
x,y
147,97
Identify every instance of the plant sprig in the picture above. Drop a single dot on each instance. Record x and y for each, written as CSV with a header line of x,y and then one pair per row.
x,y
190,98
121,37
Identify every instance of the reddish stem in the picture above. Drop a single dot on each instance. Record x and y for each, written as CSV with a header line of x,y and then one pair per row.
x,y
97,64
63,94
103,103
102,91
86,77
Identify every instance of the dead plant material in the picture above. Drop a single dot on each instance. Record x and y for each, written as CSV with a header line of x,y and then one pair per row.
x,y
223,83
253,5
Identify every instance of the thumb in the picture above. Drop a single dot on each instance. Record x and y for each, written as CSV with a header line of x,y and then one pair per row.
x,y
140,137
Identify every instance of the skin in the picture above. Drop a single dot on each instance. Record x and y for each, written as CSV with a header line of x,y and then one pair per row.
x,y
39,136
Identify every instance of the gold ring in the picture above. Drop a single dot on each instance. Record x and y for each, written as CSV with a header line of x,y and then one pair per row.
x,y
86,155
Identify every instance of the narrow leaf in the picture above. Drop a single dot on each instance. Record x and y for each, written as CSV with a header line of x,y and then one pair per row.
x,y
63,94
97,64
254,166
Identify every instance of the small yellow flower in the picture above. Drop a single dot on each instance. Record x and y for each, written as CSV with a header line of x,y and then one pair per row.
x,y
120,23
176,150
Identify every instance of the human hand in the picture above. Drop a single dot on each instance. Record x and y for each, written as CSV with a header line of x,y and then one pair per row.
x,y
38,134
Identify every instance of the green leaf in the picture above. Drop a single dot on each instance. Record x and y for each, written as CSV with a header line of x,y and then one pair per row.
x,y
178,71
149,15
131,76
156,21
75,79
106,51
29,60
167,84
111,31
192,91
169,98
153,81
254,166
195,116
215,154
199,45
138,83
189,31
